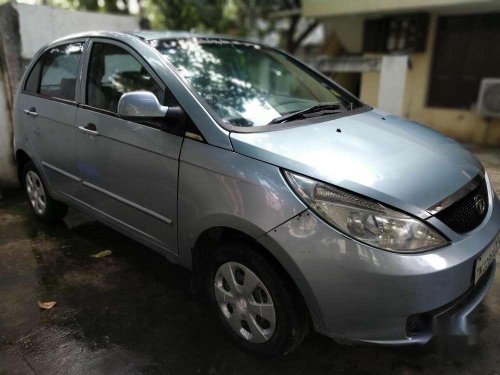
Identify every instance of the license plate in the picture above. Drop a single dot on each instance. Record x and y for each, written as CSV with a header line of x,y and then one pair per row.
x,y
484,261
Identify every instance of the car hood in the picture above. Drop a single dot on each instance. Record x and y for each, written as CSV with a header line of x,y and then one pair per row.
x,y
398,162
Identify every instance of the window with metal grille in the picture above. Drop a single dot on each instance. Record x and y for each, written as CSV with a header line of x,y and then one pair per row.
x,y
467,49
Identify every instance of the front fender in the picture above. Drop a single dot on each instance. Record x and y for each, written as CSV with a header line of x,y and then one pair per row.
x,y
221,188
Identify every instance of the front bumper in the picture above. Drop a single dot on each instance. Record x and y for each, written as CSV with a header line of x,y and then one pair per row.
x,y
359,293
452,319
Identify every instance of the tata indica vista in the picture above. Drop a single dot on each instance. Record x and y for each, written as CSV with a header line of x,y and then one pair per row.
x,y
294,204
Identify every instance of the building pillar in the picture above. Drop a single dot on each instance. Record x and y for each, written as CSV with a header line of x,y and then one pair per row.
x,y
392,83
10,73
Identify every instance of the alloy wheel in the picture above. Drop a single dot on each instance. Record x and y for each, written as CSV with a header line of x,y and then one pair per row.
x,y
36,192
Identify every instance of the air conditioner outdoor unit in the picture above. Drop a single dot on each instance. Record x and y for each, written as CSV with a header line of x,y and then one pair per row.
x,y
488,102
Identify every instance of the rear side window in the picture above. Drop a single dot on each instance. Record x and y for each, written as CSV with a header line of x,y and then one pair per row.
x,y
112,72
59,71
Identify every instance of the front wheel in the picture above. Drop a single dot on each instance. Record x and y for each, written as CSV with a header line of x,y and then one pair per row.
x,y
258,307
41,203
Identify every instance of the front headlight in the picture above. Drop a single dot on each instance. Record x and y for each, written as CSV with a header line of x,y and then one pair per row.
x,y
365,220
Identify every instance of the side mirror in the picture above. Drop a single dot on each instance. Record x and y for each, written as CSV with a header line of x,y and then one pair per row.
x,y
140,104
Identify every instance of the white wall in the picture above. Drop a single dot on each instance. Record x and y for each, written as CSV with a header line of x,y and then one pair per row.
x,y
40,24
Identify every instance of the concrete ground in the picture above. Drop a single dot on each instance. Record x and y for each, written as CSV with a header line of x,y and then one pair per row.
x,y
132,312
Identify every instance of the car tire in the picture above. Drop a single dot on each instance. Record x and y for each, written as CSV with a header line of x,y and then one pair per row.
x,y
43,206
246,316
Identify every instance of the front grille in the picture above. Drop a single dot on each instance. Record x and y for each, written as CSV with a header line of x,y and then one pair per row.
x,y
464,215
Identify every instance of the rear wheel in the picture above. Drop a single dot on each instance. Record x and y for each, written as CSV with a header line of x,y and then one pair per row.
x,y
41,203
256,305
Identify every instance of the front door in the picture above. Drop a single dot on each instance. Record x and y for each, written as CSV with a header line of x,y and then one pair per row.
x,y
128,169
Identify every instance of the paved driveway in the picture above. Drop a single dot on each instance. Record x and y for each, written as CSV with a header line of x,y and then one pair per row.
x,y
132,312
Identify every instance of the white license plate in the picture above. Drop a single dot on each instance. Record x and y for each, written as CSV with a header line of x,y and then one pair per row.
x,y
484,261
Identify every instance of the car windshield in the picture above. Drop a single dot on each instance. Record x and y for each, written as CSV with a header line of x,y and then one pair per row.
x,y
248,84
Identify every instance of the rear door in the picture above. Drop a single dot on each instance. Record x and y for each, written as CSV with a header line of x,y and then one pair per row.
x,y
129,169
48,105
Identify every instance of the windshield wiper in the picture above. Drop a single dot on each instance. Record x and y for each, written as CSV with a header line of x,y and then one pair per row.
x,y
316,110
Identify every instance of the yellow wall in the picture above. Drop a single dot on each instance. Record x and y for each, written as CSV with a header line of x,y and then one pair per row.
x,y
463,125
369,88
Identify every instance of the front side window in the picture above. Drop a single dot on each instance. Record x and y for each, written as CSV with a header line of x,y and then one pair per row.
x,y
113,72
59,72
247,84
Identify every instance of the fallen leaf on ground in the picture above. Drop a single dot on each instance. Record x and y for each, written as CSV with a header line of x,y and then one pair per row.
x,y
102,254
47,305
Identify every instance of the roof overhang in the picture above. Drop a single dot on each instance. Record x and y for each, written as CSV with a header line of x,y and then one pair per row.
x,y
331,8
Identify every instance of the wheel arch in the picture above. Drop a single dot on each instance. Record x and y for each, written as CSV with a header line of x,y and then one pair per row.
x,y
22,157
206,243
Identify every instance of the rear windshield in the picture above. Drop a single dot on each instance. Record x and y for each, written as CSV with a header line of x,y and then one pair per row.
x,y
247,84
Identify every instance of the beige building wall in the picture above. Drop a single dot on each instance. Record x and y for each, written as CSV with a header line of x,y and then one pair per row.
x,y
369,88
463,125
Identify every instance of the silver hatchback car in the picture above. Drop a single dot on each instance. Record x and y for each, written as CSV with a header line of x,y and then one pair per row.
x,y
294,204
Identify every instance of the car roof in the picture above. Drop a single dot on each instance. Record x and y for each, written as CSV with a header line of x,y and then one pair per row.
x,y
166,34
149,35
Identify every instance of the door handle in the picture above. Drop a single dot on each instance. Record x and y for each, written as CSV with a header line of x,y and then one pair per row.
x,y
31,112
90,129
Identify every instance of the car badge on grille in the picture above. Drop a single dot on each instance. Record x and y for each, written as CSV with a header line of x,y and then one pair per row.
x,y
480,204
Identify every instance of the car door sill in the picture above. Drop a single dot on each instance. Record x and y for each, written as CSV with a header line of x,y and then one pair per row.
x,y
120,226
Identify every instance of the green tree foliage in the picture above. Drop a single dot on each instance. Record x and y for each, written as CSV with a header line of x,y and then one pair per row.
x,y
88,4
200,15
254,18
251,11
108,6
